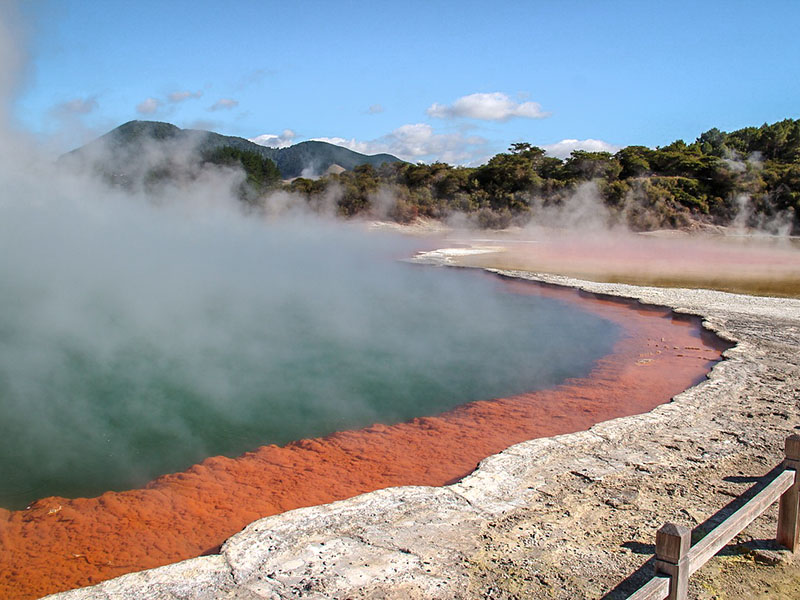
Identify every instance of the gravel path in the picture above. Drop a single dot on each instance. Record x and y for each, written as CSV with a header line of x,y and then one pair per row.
x,y
572,516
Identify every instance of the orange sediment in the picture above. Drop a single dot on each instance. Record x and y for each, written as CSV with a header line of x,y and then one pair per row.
x,y
58,544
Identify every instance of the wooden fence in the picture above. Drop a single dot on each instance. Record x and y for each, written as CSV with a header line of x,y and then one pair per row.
x,y
676,559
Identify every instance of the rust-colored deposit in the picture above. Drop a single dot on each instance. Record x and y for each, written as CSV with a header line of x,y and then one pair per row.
x,y
59,544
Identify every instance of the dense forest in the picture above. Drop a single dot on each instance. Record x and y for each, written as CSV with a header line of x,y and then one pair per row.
x,y
749,177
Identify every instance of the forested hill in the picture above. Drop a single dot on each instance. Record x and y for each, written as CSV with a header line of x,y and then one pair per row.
x,y
120,149
746,178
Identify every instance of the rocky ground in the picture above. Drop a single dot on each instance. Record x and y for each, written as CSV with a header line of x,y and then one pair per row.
x,y
572,516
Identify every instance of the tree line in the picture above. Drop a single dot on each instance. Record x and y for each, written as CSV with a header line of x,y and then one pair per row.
x,y
751,175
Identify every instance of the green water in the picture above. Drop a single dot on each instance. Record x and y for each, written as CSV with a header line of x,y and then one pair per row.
x,y
106,383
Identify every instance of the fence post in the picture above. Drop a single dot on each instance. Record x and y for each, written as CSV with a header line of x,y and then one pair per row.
x,y
672,546
788,522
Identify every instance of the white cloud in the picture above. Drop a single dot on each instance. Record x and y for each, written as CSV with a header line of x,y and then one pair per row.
x,y
224,104
203,124
495,106
375,109
74,122
564,148
373,147
419,141
183,95
148,106
254,77
76,106
271,140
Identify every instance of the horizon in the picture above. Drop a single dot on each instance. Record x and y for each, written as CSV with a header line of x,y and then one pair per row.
x,y
423,83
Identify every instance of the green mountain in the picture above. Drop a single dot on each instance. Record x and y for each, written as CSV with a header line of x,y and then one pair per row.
x,y
138,146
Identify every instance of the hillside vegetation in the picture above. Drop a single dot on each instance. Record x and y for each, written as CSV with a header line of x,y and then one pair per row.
x,y
749,177
746,178
133,149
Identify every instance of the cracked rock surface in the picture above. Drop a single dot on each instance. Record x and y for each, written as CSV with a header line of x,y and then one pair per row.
x,y
573,516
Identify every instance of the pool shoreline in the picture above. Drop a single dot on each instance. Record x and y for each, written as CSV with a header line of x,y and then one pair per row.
x,y
552,517
216,467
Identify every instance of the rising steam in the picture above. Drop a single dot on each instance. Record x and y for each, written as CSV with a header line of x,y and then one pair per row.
x,y
138,324
152,327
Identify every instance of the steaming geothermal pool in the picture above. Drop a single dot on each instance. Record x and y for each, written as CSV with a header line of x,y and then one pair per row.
x,y
136,342
120,366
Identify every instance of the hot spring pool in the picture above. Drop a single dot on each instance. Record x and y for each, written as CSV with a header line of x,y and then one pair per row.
x,y
118,368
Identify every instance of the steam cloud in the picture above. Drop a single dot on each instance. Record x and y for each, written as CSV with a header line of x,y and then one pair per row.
x,y
11,58
170,315
169,312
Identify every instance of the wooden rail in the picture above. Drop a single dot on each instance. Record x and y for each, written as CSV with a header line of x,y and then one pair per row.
x,y
676,559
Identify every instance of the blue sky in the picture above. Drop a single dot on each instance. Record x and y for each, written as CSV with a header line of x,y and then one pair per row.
x,y
424,80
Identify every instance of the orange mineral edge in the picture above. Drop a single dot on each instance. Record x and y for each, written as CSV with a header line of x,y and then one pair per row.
x,y
58,543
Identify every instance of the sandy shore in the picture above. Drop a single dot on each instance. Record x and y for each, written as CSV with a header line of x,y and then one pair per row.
x,y
761,265
569,516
